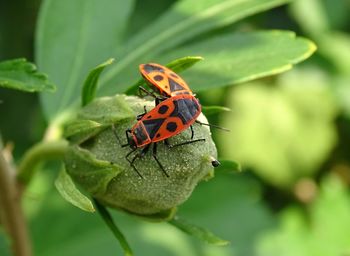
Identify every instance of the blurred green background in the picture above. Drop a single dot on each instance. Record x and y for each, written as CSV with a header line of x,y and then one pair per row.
x,y
289,132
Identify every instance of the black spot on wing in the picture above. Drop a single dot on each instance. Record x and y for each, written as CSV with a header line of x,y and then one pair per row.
x,y
152,126
158,78
171,126
163,109
150,68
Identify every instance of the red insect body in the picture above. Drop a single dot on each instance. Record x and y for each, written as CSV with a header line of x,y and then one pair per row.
x,y
167,119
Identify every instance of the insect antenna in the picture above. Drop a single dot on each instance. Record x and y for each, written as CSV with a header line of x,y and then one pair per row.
x,y
118,139
214,126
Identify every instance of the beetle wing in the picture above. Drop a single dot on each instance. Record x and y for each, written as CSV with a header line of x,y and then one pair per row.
x,y
164,79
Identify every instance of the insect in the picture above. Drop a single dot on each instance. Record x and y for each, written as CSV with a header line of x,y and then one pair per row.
x,y
167,119
166,81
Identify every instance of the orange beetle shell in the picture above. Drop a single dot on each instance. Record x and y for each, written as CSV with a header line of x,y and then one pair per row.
x,y
164,79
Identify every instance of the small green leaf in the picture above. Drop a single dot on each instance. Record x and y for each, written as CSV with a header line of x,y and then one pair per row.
x,y
92,174
78,131
176,65
213,110
90,85
21,75
184,63
69,191
197,232
113,227
107,110
229,166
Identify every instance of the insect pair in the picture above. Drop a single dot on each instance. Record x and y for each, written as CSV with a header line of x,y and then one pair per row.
x,y
176,110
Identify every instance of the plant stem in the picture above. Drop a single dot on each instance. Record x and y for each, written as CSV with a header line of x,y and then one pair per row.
x,y
42,151
107,218
11,214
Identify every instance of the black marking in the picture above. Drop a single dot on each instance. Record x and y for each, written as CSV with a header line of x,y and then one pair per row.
x,y
185,109
152,126
171,127
174,75
158,135
150,68
140,134
174,86
158,78
149,117
163,109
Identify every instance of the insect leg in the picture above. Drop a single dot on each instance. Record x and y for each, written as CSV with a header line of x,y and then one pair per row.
x,y
154,153
183,143
129,153
116,135
146,92
127,138
141,115
158,98
192,132
133,160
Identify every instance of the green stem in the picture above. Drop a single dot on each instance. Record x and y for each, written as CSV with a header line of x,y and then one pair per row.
x,y
110,223
43,151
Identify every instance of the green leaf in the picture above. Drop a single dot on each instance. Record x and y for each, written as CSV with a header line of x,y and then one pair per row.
x,y
78,131
68,191
197,232
241,57
90,85
89,33
107,110
213,110
185,20
177,66
21,75
107,218
184,63
228,166
91,173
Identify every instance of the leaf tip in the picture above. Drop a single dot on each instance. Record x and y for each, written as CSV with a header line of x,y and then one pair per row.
x,y
110,61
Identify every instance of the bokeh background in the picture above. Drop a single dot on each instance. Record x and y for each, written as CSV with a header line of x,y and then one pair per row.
x,y
289,132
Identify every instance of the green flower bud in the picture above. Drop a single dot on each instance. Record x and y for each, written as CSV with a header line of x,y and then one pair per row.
x,y
96,161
